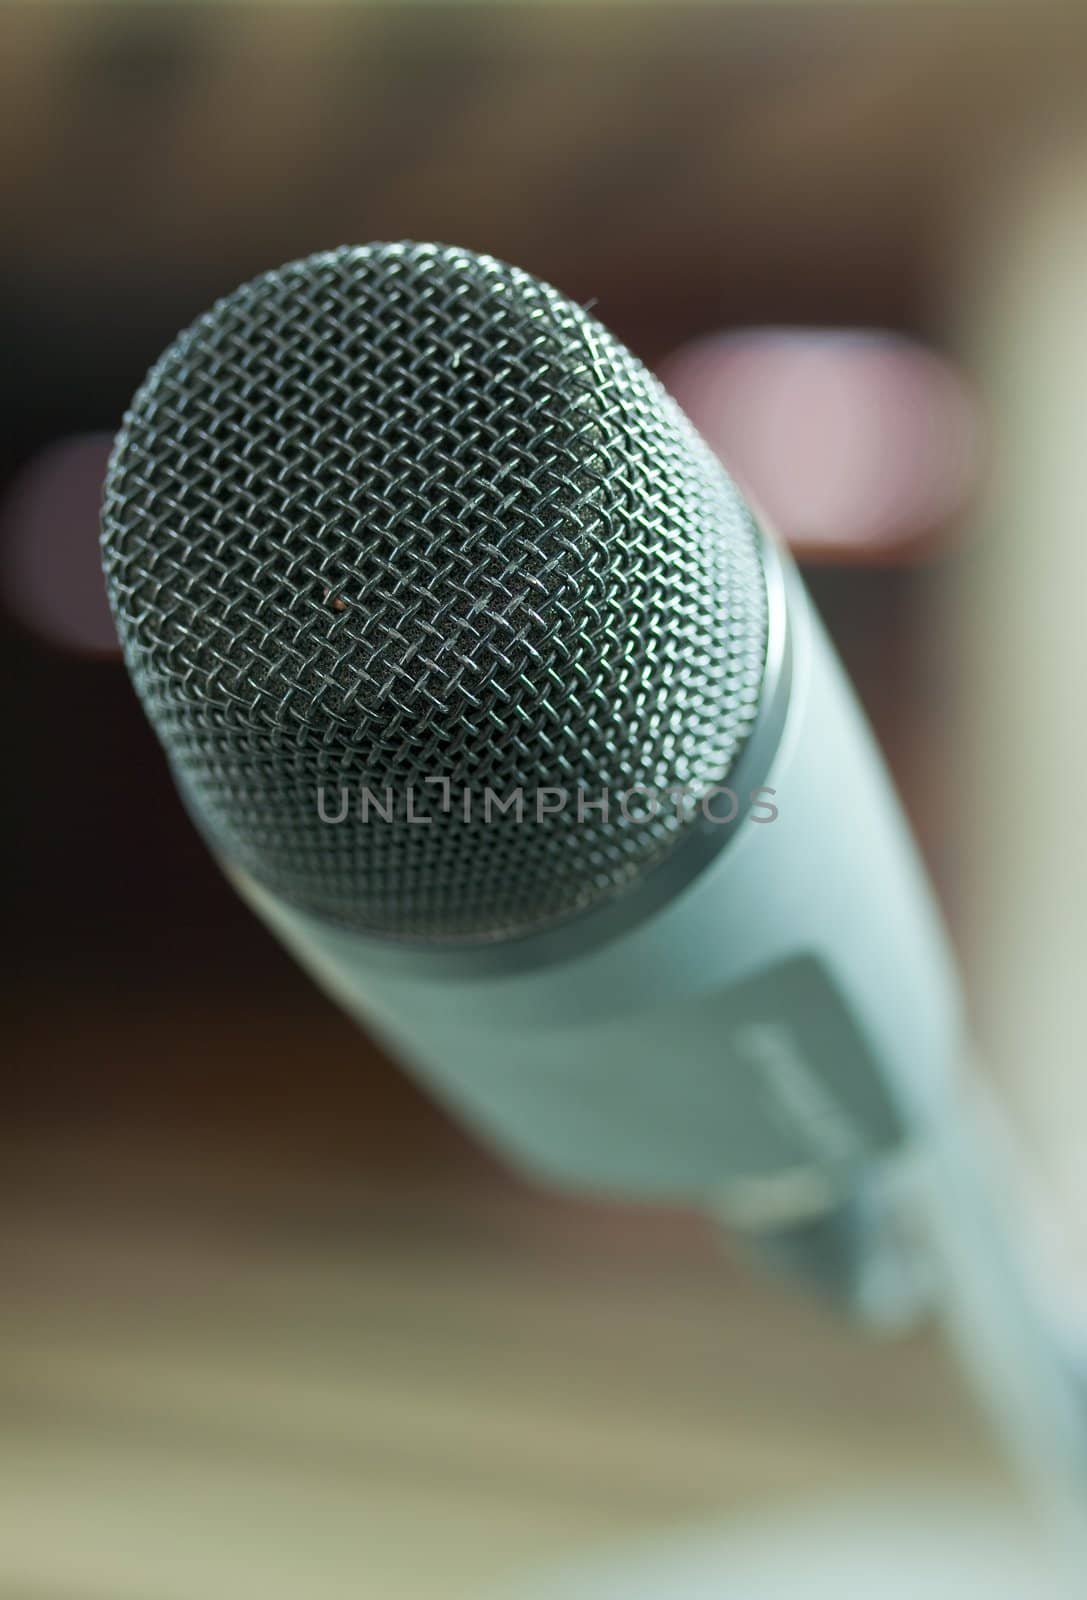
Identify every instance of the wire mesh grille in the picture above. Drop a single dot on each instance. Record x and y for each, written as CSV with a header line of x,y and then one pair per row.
x,y
396,528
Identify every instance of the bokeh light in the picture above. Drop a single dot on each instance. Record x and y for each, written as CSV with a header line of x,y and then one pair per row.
x,y
52,571
855,444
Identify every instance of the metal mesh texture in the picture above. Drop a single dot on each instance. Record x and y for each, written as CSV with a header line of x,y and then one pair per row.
x,y
402,518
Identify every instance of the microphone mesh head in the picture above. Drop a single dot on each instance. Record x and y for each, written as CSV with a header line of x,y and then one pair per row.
x,y
403,519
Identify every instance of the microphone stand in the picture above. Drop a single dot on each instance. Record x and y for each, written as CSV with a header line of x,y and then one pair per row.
x,y
999,1304
928,1232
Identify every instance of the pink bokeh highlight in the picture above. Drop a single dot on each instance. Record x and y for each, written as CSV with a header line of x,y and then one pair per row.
x,y
855,445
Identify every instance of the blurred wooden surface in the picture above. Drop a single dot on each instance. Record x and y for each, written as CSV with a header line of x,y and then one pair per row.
x,y
237,1359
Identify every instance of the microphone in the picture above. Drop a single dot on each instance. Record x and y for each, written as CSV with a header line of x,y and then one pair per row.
x,y
502,710
499,706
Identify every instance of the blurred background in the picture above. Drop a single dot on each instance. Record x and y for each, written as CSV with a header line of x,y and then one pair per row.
x,y
269,1323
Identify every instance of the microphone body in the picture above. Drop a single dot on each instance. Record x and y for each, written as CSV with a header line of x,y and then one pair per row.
x,y
405,517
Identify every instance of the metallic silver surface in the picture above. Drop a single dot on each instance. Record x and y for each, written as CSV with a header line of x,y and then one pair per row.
x,y
401,517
